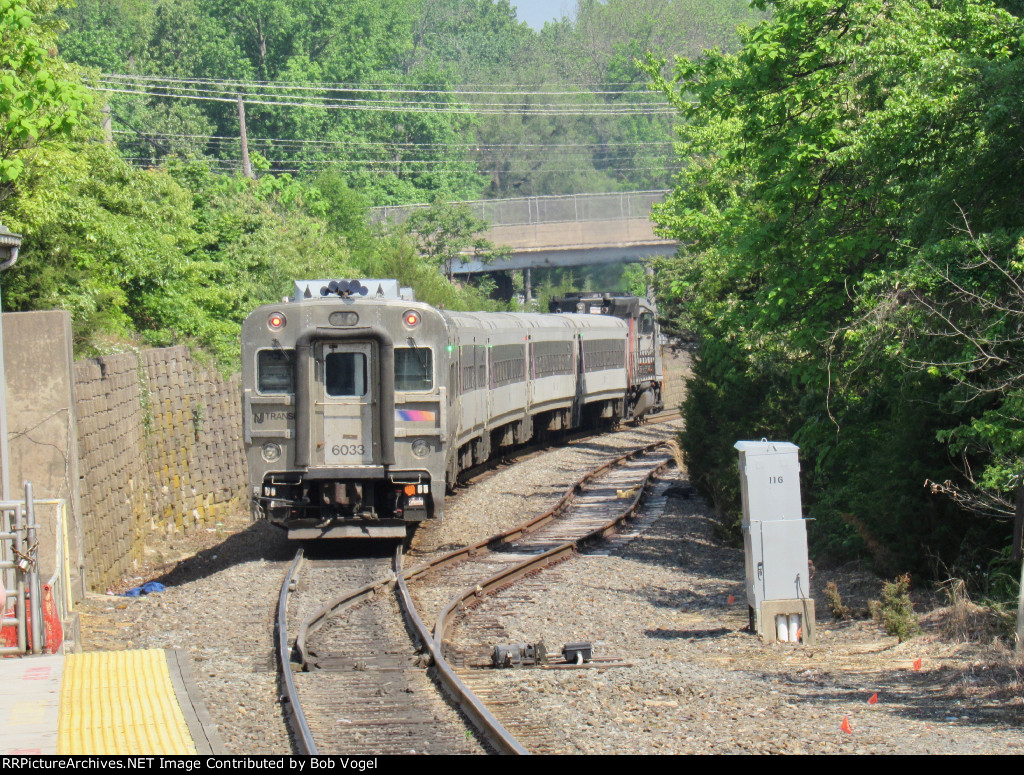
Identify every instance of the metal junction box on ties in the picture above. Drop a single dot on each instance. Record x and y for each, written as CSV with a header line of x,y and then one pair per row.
x,y
775,542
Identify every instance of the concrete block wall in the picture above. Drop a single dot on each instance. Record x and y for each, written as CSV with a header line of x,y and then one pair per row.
x,y
111,453
196,464
678,369
160,441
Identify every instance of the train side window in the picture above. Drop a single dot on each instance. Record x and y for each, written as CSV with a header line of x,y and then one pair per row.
x,y
467,370
275,371
414,368
345,374
646,325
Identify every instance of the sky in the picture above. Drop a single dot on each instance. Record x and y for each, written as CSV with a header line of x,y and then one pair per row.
x,y
536,12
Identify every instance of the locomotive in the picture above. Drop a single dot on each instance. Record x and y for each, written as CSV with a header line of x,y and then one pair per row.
x,y
362,405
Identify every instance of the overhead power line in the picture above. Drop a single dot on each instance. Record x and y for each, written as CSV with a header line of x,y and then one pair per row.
x,y
195,91
285,101
223,139
427,162
418,100
536,155
605,89
143,161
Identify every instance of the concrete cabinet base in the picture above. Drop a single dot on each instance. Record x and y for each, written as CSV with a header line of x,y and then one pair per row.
x,y
764,618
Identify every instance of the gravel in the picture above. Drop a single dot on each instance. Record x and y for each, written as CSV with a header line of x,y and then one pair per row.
x,y
699,683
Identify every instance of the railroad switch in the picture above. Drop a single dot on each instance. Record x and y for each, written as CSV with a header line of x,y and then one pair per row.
x,y
579,652
519,655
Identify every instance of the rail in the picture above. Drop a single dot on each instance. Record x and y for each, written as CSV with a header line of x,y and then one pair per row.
x,y
473,707
495,542
556,554
291,706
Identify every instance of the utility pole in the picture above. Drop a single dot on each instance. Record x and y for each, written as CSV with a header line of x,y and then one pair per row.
x,y
246,166
1018,528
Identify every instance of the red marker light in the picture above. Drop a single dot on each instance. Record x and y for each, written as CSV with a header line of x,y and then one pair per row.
x,y
411,319
276,321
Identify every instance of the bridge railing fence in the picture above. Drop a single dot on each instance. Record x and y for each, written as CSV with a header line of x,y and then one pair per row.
x,y
527,211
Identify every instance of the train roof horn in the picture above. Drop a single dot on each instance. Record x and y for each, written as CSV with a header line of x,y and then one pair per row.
x,y
350,289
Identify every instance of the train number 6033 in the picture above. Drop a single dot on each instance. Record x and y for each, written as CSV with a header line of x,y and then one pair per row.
x,y
347,449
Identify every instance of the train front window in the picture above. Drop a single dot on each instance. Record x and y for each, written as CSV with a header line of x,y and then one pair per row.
x,y
646,325
345,374
414,368
275,370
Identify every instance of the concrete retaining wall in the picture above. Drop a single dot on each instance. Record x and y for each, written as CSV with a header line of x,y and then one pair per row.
x,y
42,432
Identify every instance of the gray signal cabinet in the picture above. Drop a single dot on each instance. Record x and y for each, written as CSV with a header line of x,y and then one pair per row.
x,y
775,542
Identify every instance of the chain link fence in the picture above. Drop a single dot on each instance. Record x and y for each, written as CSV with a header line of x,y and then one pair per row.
x,y
526,211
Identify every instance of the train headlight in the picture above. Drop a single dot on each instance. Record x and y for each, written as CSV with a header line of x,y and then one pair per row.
x,y
276,321
346,318
420,448
271,451
411,319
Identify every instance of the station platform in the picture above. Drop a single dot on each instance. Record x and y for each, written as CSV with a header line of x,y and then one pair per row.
x,y
104,702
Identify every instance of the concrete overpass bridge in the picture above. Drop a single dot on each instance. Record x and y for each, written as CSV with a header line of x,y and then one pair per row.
x,y
562,231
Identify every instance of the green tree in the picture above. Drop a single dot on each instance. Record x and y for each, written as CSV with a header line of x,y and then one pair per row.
x,y
406,145
446,232
830,164
41,97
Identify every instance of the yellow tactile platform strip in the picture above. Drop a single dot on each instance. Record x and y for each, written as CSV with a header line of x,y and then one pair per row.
x,y
120,702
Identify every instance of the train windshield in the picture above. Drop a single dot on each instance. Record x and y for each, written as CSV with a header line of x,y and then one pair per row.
x,y
646,325
345,374
414,368
275,371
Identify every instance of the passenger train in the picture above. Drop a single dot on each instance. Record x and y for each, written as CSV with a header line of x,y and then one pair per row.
x,y
361,405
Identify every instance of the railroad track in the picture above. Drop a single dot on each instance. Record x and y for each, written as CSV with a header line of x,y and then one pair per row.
x,y
366,688
531,450
361,678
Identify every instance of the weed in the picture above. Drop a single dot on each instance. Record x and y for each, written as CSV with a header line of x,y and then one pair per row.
x,y
677,454
145,394
964,620
895,611
198,415
840,610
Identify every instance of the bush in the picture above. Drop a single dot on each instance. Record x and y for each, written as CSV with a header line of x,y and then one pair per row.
x,y
895,611
839,609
